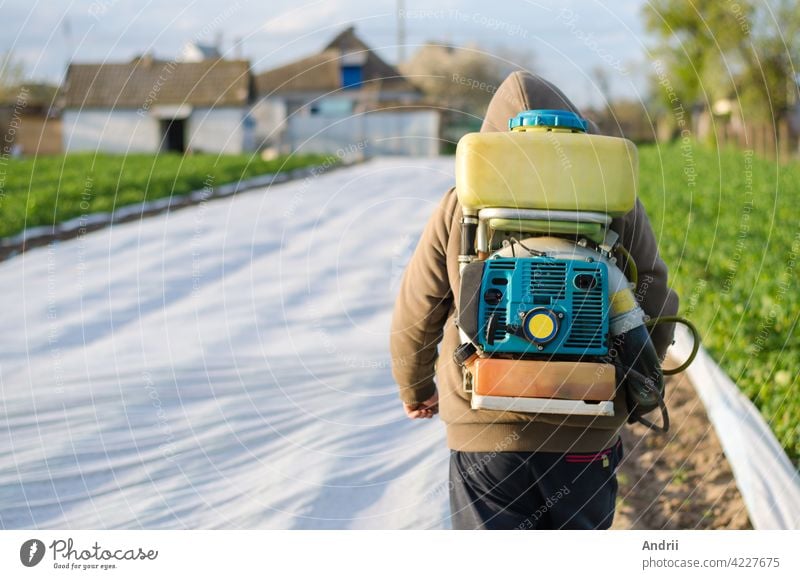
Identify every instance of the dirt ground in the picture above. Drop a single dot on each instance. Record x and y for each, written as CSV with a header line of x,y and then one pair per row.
x,y
678,480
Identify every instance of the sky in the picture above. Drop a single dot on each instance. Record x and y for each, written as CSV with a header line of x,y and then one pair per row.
x,y
569,39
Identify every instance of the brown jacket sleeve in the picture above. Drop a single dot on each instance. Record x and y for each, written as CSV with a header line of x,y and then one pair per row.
x,y
421,309
652,292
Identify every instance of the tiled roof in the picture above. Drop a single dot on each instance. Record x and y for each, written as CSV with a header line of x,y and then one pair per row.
x,y
146,82
322,72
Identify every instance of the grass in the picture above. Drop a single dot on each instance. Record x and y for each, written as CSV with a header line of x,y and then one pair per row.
x,y
680,475
49,190
728,225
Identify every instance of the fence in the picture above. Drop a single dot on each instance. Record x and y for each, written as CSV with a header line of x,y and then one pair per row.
x,y
771,140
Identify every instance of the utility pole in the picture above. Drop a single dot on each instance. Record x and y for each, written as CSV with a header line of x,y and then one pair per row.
x,y
66,30
401,32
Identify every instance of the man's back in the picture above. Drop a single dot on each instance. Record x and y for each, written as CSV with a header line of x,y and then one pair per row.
x,y
424,335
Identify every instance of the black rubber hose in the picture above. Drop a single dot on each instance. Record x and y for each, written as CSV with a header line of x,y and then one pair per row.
x,y
695,335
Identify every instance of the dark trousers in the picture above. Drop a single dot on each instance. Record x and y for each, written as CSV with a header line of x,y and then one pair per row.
x,y
533,490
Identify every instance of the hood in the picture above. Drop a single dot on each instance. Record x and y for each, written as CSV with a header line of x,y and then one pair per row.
x,y
523,91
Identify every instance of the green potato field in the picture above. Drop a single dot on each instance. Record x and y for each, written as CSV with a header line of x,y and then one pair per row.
x,y
728,226
47,190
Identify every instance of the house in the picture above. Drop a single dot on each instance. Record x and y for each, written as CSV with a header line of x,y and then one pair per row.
x,y
343,96
346,76
150,105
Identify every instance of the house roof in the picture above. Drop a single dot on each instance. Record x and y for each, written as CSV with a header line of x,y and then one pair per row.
x,y
322,72
146,82
317,73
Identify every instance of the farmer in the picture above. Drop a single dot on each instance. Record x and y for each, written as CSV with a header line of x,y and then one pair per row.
x,y
513,470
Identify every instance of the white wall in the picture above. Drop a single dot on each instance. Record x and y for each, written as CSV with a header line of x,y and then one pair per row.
x,y
218,130
377,133
222,130
117,131
270,117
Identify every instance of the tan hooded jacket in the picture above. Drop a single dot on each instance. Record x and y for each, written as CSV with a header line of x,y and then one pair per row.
x,y
424,335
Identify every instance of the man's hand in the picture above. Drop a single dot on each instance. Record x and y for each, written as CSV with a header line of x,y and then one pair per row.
x,y
423,409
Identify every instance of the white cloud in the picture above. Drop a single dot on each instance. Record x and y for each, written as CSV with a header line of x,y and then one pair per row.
x,y
304,19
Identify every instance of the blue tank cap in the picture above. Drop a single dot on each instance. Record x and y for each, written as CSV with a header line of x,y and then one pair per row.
x,y
548,118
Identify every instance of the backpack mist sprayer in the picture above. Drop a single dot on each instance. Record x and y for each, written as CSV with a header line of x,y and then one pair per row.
x,y
548,321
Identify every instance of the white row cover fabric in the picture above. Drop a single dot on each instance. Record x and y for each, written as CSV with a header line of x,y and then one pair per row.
x,y
768,481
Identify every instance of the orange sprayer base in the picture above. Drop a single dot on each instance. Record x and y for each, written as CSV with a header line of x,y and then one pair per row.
x,y
543,379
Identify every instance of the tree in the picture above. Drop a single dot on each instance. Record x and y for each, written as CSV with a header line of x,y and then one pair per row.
x,y
463,79
698,43
738,48
12,73
768,84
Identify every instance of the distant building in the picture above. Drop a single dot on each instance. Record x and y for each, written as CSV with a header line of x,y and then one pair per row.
x,y
344,96
150,105
197,52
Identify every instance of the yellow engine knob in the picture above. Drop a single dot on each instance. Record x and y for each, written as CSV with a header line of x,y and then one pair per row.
x,y
540,325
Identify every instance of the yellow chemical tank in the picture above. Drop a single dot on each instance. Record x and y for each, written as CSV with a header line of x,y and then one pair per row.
x,y
547,162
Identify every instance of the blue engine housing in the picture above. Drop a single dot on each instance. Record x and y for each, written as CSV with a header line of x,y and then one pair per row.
x,y
544,305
